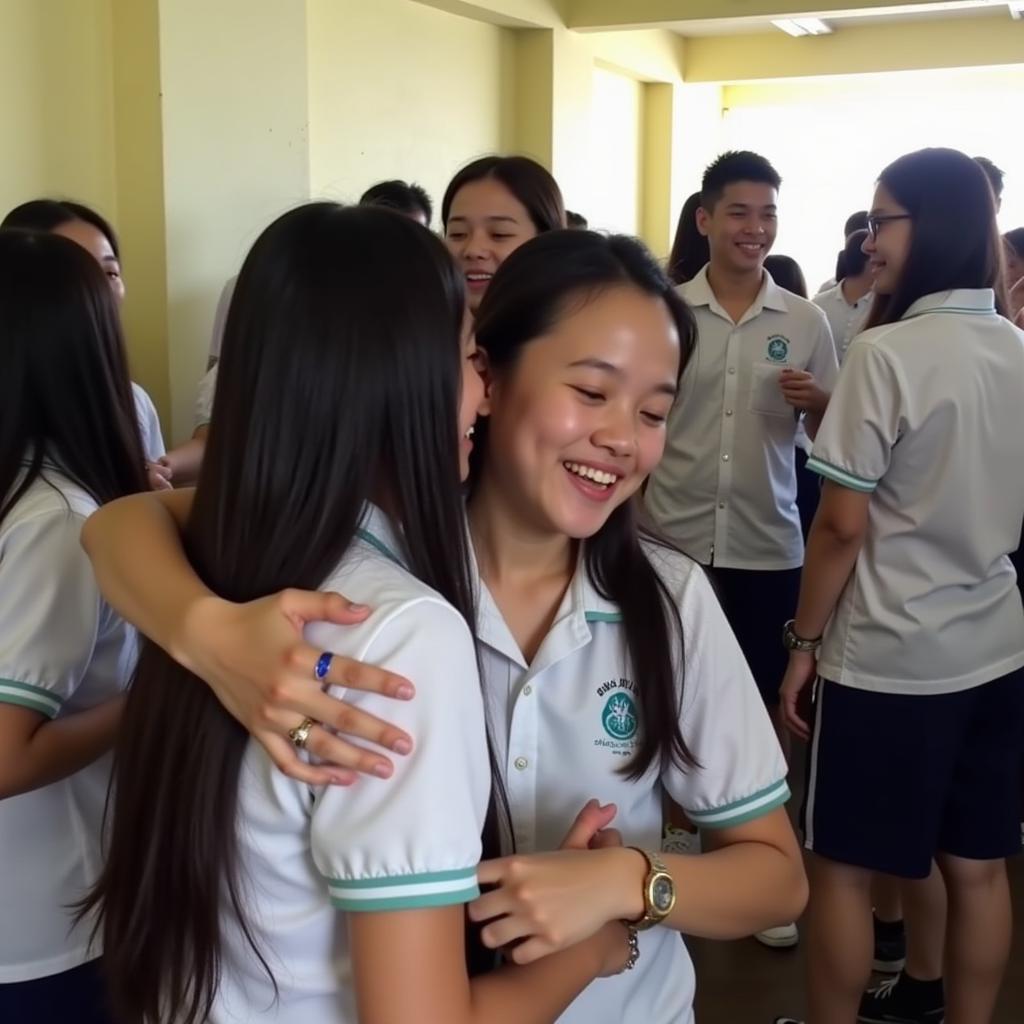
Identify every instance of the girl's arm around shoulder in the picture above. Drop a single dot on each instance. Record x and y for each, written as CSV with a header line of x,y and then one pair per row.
x,y
251,655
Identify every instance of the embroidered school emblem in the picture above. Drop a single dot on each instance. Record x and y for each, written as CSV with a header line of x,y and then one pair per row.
x,y
619,717
778,348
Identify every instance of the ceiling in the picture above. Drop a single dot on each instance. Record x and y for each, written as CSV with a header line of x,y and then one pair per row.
x,y
838,21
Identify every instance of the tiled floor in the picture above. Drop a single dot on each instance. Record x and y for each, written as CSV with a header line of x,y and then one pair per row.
x,y
747,983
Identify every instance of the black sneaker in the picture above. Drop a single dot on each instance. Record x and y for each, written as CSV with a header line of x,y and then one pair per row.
x,y
903,1000
890,947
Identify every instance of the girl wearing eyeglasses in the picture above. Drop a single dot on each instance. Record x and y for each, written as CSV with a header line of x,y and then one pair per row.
x,y
909,617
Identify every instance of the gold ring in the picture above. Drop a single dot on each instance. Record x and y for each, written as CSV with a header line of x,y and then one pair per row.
x,y
301,732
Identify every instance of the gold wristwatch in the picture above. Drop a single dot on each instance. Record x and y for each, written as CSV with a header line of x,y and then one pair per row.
x,y
659,892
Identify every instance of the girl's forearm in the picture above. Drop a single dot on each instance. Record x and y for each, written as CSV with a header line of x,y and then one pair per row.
x,y
136,551
57,749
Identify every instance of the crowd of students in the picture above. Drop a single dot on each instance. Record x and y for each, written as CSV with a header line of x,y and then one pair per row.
x,y
466,676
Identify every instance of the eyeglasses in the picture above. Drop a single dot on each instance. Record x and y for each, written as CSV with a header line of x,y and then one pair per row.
x,y
875,223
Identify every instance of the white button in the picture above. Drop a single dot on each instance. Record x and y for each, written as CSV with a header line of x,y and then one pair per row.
x,y
725,458
527,690
732,369
728,412
521,763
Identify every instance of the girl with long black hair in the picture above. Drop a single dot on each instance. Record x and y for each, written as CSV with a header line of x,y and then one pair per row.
x,y
608,668
94,233
69,443
341,433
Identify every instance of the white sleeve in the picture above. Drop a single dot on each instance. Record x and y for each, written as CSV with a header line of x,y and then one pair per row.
x,y
149,424
412,840
204,398
862,422
824,363
742,772
49,611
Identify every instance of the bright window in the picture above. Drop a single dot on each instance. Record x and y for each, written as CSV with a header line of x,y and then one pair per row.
x,y
829,139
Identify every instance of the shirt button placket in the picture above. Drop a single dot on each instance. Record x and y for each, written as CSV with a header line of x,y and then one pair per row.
x,y
728,435
521,778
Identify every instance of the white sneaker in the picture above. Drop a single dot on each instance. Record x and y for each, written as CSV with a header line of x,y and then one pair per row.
x,y
785,936
678,840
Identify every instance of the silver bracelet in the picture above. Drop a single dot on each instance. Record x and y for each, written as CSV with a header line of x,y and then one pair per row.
x,y
634,948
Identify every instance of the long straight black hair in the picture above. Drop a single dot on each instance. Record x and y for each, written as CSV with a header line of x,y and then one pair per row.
x,y
525,300
339,382
65,396
955,241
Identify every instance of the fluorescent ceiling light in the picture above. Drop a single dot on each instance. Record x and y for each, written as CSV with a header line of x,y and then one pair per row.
x,y
808,26
1017,9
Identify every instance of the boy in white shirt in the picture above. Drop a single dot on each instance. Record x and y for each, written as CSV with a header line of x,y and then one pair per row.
x,y
726,488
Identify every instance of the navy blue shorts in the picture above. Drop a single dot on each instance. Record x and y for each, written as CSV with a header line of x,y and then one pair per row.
x,y
893,779
77,996
758,603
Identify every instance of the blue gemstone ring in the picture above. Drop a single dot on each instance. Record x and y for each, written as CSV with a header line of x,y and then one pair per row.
x,y
323,666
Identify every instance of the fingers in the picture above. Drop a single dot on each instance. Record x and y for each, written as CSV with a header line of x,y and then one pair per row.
x,y
338,716
315,606
606,838
158,476
591,819
490,905
791,719
370,679
504,932
492,872
287,759
302,661
339,753
531,950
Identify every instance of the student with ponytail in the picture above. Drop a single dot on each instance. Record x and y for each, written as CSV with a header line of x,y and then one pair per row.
x,y
909,626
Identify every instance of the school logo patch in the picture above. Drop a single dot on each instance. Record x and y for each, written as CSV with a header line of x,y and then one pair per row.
x,y
778,348
619,717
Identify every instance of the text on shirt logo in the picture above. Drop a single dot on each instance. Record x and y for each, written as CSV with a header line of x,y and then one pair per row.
x,y
618,716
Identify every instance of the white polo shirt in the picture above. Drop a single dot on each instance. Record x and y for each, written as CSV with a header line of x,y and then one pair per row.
x,y
725,490
62,650
928,418
565,725
204,398
149,424
310,856
845,319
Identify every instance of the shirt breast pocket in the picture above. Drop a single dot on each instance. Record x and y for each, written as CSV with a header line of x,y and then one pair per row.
x,y
765,394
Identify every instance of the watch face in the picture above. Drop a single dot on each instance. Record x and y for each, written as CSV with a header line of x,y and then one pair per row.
x,y
662,894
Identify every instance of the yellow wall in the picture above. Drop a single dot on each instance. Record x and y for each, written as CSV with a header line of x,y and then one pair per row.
x,y
139,157
400,90
55,90
235,155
